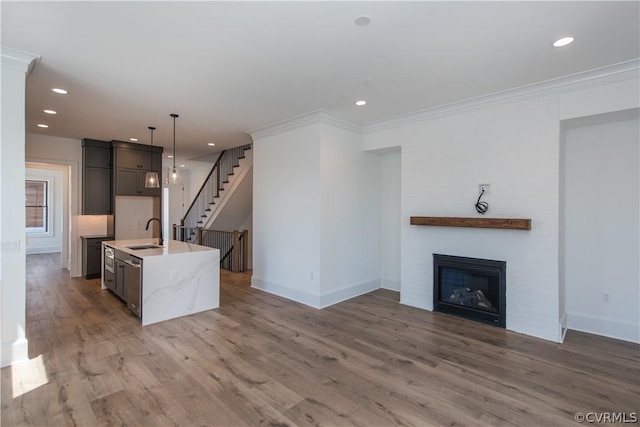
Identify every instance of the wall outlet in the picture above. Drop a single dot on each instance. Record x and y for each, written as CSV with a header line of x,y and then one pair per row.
x,y
484,187
606,297
173,275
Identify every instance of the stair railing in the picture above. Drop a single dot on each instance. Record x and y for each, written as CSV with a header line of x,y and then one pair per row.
x,y
204,201
233,245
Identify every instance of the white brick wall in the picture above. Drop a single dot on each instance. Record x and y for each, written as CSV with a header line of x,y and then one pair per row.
x,y
513,145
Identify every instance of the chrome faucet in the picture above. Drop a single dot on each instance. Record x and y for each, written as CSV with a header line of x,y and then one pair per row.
x,y
160,241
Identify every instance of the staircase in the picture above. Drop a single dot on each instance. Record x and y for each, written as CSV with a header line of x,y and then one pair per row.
x,y
226,175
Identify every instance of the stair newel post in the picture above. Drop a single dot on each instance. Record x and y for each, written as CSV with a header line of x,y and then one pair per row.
x,y
175,231
245,249
199,241
235,254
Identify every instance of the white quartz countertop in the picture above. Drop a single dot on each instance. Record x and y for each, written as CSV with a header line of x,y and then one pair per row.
x,y
170,247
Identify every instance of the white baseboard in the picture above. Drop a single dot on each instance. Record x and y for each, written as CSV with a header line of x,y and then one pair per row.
x,y
286,292
349,292
624,331
563,326
14,351
315,301
391,284
42,250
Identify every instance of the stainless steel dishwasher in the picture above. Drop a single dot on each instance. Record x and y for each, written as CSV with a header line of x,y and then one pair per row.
x,y
133,287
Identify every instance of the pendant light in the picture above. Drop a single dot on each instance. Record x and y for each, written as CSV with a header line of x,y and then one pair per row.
x,y
151,179
173,176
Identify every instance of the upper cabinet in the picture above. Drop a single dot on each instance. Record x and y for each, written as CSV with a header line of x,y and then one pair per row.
x,y
133,159
97,194
132,162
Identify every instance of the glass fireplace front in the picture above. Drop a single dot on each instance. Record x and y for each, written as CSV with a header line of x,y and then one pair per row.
x,y
470,287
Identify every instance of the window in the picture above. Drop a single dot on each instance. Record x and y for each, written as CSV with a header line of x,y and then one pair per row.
x,y
37,206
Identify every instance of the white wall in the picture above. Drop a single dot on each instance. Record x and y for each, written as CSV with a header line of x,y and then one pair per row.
x,y
51,241
602,228
67,153
512,143
286,214
349,216
181,195
514,148
131,216
315,211
176,204
13,340
390,223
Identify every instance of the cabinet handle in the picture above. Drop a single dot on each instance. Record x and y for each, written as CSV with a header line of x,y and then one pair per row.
x,y
131,263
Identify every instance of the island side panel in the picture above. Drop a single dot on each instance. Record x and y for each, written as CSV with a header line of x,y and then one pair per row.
x,y
195,288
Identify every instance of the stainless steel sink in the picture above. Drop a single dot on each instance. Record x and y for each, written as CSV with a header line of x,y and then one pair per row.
x,y
139,247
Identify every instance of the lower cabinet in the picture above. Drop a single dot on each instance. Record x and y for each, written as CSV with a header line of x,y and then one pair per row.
x,y
92,255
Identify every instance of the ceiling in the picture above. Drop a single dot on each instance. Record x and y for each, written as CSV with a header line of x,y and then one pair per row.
x,y
231,67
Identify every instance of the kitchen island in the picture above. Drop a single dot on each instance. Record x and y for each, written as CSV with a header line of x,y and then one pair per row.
x,y
172,280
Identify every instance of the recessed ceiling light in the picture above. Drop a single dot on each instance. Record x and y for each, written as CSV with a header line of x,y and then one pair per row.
x,y
563,41
211,144
133,139
60,91
170,156
361,103
41,125
50,112
182,166
362,20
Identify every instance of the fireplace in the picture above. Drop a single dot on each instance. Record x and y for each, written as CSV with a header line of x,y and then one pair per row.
x,y
470,287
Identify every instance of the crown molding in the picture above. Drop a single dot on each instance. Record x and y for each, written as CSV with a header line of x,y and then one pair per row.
x,y
616,72
20,59
306,119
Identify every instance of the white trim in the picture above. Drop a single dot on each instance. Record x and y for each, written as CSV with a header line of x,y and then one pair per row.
x,y
563,327
14,351
43,250
20,59
349,292
621,71
49,230
315,301
390,284
246,165
616,72
306,119
606,327
286,292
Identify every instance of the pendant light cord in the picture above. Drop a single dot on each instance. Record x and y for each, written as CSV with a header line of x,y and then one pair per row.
x,y
174,141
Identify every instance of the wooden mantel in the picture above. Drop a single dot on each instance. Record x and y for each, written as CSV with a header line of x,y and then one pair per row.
x,y
501,223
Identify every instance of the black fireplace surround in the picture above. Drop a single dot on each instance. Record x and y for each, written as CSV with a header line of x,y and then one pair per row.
x,y
470,287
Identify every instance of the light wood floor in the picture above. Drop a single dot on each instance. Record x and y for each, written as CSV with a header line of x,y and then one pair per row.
x,y
262,360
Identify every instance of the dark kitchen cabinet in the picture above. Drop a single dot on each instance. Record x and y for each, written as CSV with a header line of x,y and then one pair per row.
x,y
132,162
92,255
97,165
127,182
134,159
